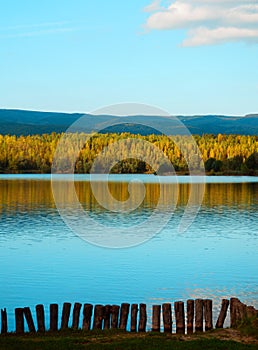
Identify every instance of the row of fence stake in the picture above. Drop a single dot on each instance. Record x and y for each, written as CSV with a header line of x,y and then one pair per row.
x,y
198,314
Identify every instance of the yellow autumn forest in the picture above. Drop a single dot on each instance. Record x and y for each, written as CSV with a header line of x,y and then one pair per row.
x,y
221,154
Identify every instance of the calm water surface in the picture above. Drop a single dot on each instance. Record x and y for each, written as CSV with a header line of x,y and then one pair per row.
x,y
44,261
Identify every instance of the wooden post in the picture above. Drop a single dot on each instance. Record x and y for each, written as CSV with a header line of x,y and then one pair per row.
x,y
76,315
40,318
98,316
242,312
251,312
29,319
134,311
199,315
167,317
223,313
233,312
53,317
114,315
190,316
156,309
180,317
19,320
87,314
124,311
143,318
207,304
65,315
107,316
4,326
238,311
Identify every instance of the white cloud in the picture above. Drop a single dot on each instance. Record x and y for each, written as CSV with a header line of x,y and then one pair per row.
x,y
204,36
208,22
35,25
36,29
154,6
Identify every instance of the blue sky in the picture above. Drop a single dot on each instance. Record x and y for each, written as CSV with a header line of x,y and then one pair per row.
x,y
186,57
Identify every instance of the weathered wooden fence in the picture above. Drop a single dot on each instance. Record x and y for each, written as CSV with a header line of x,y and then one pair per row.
x,y
196,316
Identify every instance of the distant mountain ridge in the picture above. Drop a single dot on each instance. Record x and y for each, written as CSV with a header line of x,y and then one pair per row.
x,y
22,122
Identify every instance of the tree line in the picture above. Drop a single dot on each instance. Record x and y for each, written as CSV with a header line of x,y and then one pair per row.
x,y
127,153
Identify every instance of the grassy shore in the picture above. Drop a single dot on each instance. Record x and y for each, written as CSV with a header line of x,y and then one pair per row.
x,y
225,339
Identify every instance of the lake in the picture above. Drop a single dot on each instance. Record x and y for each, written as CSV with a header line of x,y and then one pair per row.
x,y
46,260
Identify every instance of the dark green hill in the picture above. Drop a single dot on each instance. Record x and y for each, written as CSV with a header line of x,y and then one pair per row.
x,y
20,122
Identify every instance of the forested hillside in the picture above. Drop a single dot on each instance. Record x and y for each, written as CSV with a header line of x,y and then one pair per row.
x,y
20,122
228,154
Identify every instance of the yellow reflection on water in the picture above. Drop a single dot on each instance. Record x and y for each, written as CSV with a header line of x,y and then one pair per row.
x,y
30,194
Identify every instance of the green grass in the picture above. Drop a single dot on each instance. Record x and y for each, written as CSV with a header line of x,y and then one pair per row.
x,y
249,327
79,340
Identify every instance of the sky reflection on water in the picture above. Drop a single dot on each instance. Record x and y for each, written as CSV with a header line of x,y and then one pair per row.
x,y
43,261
